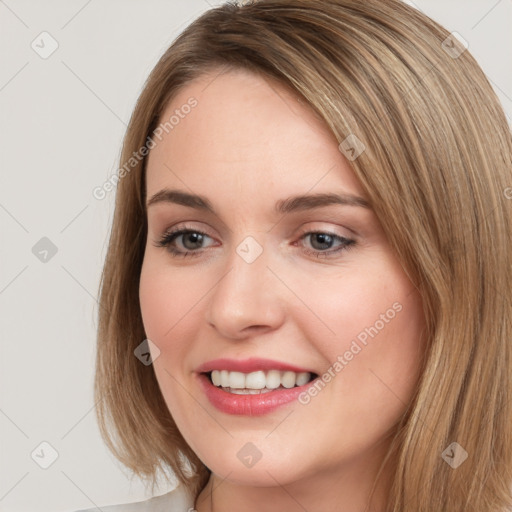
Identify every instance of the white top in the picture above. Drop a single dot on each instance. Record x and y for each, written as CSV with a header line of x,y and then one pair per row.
x,y
177,500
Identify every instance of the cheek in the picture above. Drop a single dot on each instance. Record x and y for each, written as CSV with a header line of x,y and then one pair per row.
x,y
385,350
368,327
166,300
167,315
170,302
156,317
347,308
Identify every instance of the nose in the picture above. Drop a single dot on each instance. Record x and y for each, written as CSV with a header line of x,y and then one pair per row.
x,y
247,299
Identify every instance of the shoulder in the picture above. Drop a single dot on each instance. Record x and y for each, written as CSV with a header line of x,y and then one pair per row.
x,y
177,500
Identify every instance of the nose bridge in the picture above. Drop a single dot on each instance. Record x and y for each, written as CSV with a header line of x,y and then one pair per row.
x,y
246,295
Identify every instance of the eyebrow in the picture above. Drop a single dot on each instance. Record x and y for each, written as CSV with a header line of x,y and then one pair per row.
x,y
291,204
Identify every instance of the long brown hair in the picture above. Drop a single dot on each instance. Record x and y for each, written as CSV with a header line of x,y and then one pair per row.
x,y
437,168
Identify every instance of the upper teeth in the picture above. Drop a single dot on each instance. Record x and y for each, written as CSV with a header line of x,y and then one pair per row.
x,y
259,380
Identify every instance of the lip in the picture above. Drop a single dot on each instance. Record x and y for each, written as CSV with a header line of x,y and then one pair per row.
x,y
252,364
249,405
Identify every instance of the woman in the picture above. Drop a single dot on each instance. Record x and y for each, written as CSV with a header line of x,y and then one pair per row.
x,y
305,303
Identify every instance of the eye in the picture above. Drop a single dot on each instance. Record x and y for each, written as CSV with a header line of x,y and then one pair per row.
x,y
191,241
321,240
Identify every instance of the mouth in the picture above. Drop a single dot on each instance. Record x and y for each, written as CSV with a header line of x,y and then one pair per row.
x,y
258,382
254,386
256,393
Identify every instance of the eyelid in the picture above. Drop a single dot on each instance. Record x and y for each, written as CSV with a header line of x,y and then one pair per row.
x,y
337,231
185,226
303,230
181,229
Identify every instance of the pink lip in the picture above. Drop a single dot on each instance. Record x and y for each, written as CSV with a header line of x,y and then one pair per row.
x,y
252,364
249,405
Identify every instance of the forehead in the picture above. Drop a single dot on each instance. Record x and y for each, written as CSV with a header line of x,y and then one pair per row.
x,y
246,129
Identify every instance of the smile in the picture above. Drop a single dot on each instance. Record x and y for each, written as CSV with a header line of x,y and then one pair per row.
x,y
259,381
252,387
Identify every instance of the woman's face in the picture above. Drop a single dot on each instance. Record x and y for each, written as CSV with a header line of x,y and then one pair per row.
x,y
279,281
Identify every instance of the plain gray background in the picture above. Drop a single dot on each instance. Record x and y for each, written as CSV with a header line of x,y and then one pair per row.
x,y
61,126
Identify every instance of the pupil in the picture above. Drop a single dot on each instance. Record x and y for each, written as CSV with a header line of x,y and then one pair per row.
x,y
323,238
196,239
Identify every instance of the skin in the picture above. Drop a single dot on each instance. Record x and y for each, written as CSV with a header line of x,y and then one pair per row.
x,y
249,143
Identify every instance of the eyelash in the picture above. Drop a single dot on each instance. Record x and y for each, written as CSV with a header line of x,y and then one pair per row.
x,y
168,238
